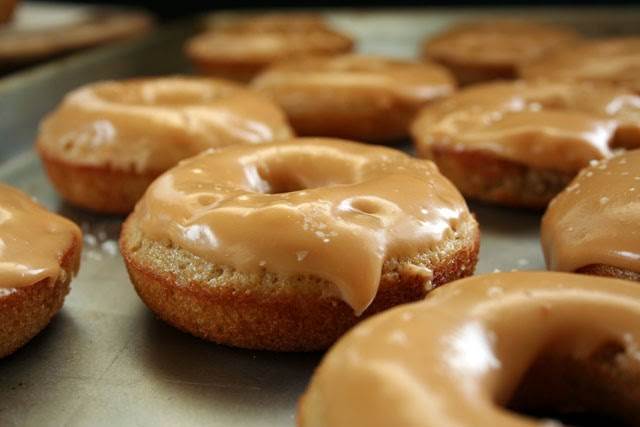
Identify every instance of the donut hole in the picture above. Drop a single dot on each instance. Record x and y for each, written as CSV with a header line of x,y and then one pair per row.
x,y
602,388
292,170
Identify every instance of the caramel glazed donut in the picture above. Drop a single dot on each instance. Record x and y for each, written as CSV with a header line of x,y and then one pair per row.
x,y
39,255
365,98
615,60
481,51
241,55
107,141
520,143
485,351
285,246
593,225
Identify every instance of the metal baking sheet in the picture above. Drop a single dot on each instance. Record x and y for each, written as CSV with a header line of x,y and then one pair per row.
x,y
105,359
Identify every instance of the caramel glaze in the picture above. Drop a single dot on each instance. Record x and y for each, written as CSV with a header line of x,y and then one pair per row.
x,y
151,124
328,208
411,81
499,43
33,240
596,219
457,358
558,126
260,47
615,60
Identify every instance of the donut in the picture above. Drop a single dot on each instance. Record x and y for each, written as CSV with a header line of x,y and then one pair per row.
x,y
39,255
614,60
106,142
242,55
285,246
593,226
365,98
490,350
520,143
267,22
481,51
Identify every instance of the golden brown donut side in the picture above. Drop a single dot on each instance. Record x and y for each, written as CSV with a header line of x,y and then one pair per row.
x,y
98,189
485,177
25,311
271,312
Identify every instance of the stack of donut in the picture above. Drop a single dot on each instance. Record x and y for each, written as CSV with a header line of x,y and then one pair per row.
x,y
241,233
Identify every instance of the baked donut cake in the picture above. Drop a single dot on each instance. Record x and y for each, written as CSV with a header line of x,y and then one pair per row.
x,y
285,246
614,60
593,226
520,143
241,55
481,51
106,142
365,98
39,255
487,351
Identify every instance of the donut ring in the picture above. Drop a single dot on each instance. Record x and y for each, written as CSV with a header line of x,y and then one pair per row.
x,y
592,226
520,143
481,51
251,246
534,342
106,142
614,61
242,55
40,255
365,98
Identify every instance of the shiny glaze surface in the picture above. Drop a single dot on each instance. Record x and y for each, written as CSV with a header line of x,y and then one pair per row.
x,y
596,219
408,80
33,240
615,60
559,126
150,124
328,208
456,358
500,43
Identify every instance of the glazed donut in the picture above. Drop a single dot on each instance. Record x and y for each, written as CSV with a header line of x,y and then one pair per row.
x,y
365,98
486,351
593,226
39,255
267,22
242,55
107,141
520,143
481,51
615,60
285,246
